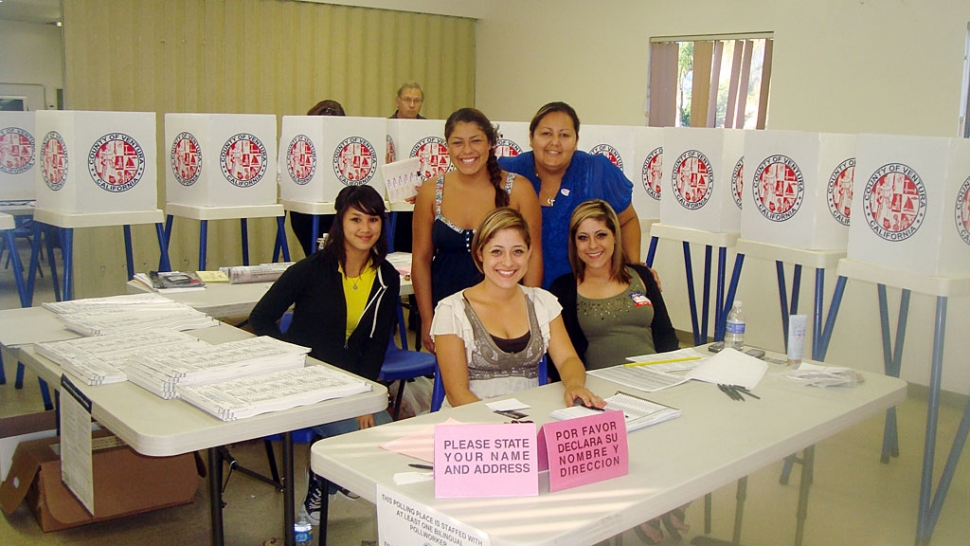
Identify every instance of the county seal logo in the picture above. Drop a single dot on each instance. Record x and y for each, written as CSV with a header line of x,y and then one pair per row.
x,y
737,182
506,148
116,162
692,179
894,202
16,150
355,161
243,160
433,153
301,159
840,191
652,173
778,188
962,211
186,158
610,152
53,154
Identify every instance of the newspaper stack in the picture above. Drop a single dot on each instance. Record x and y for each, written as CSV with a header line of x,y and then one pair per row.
x,y
161,374
255,273
100,360
246,397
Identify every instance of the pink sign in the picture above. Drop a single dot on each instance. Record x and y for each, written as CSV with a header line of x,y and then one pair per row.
x,y
497,460
584,450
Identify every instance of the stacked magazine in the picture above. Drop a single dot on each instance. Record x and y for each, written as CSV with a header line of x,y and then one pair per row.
x,y
249,396
161,373
169,282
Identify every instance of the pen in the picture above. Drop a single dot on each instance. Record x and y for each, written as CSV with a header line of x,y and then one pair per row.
x,y
421,466
668,361
727,390
744,390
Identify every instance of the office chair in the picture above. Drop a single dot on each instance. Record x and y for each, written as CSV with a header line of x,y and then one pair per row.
x,y
438,394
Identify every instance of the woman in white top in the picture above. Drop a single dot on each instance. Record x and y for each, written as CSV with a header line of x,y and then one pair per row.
x,y
490,337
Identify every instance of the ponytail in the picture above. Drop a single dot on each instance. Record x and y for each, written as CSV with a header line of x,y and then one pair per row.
x,y
495,175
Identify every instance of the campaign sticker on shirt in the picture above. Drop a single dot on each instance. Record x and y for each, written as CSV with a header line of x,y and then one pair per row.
x,y
564,191
640,300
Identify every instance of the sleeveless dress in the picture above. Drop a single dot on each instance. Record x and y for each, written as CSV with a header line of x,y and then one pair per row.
x,y
452,267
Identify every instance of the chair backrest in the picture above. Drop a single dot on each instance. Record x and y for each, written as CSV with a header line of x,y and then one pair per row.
x,y
438,393
285,321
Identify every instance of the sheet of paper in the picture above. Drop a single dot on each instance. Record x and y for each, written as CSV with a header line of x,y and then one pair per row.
x,y
402,521
730,367
673,361
644,378
404,478
419,445
507,405
77,470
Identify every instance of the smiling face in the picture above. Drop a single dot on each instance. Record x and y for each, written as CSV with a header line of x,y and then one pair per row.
x,y
361,230
468,148
553,141
595,244
505,258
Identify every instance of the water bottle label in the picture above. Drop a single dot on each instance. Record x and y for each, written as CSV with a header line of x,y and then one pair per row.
x,y
736,328
302,536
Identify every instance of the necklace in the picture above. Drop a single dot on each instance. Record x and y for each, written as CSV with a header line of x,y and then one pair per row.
x,y
550,201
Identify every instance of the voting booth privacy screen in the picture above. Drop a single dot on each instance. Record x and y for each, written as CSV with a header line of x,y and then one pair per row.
x,y
18,155
647,177
421,138
797,189
513,138
96,162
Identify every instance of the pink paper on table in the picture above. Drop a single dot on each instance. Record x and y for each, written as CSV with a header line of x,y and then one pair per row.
x,y
494,460
419,445
584,450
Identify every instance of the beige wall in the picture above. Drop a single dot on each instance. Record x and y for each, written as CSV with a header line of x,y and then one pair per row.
x,y
839,66
32,56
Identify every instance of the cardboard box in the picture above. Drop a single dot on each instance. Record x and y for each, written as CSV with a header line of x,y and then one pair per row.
x,y
220,160
911,204
18,155
125,483
648,160
96,162
698,167
421,138
797,190
513,138
320,155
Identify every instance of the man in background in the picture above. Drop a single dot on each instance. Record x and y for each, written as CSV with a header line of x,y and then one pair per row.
x,y
409,100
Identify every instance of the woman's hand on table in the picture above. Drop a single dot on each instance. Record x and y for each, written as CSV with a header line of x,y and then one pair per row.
x,y
576,394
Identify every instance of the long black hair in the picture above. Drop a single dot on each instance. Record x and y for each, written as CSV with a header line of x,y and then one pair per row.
x,y
367,200
471,115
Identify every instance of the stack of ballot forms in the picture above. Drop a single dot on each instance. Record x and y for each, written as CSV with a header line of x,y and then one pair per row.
x,y
116,314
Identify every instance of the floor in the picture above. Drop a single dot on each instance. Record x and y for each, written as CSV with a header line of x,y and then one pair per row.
x,y
854,499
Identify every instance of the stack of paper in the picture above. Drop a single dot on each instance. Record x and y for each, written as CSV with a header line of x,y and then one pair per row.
x,y
161,374
637,412
245,397
112,304
101,360
255,273
102,323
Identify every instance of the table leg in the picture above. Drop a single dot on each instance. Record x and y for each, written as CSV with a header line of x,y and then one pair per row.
x,y
808,466
215,496
244,230
129,260
289,503
324,513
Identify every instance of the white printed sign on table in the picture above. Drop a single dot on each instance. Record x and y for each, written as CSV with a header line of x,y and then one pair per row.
x,y
95,162
421,138
18,155
911,204
797,189
321,155
648,161
220,160
698,167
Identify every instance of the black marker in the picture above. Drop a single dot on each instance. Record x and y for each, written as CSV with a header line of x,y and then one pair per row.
x,y
421,466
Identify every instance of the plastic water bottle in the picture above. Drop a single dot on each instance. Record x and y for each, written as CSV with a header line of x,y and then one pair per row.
x,y
303,531
734,332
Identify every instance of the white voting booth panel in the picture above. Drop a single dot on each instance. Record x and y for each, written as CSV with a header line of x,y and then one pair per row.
x,y
513,138
911,204
220,160
96,162
648,171
697,172
797,189
616,142
18,155
421,138
320,155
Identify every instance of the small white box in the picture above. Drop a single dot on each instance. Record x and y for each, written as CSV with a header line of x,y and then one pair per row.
x,y
698,167
648,160
513,138
421,138
220,160
96,162
911,204
320,155
797,189
18,155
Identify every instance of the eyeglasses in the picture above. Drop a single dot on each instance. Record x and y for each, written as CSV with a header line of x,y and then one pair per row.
x,y
411,101
330,112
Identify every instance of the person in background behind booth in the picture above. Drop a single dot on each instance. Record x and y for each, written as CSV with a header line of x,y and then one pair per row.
x,y
449,207
302,224
613,309
410,98
564,177
491,336
344,299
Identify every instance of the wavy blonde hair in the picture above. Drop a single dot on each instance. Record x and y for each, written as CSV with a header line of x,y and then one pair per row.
x,y
597,209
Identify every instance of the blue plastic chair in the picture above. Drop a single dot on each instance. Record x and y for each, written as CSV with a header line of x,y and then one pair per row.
x,y
438,394
401,365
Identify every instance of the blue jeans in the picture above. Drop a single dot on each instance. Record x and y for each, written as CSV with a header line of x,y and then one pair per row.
x,y
343,427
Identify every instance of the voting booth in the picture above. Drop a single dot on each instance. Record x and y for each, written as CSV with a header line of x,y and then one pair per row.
x,y
697,170
96,162
18,155
220,160
421,138
797,190
616,142
647,179
911,204
320,155
513,138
